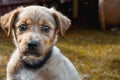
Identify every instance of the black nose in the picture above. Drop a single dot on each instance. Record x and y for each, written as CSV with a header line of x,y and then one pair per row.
x,y
32,44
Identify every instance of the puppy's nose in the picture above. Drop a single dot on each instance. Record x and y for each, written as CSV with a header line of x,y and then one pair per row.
x,y
32,44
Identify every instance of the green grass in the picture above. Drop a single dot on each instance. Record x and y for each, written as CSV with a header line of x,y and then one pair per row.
x,y
95,54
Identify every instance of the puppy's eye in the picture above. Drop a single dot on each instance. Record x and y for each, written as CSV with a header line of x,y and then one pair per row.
x,y
45,28
23,27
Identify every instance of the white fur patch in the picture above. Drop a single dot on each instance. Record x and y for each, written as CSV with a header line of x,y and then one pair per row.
x,y
25,74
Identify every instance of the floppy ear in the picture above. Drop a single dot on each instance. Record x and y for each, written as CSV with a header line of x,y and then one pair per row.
x,y
7,21
62,21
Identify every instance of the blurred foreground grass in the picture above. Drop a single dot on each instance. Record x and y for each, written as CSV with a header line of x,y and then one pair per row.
x,y
95,54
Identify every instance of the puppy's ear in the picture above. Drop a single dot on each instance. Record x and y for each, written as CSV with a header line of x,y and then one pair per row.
x,y
62,21
7,21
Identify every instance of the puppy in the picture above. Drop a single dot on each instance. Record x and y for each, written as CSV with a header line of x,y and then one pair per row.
x,y
35,30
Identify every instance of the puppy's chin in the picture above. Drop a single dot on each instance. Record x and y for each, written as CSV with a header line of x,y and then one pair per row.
x,y
33,53
33,61
30,59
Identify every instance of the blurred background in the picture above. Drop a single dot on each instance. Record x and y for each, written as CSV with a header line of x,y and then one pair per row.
x,y
92,43
79,11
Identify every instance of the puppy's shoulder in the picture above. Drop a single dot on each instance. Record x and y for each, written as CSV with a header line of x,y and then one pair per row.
x,y
14,59
57,53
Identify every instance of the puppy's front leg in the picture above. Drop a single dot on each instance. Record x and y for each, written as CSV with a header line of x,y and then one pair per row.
x,y
60,72
11,70
13,67
10,77
60,77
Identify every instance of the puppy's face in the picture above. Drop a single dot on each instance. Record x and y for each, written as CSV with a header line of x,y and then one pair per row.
x,y
34,30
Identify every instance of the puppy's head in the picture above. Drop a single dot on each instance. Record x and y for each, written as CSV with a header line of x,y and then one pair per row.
x,y
34,29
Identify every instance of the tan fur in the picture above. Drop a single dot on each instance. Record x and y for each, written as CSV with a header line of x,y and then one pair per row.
x,y
63,22
7,21
35,17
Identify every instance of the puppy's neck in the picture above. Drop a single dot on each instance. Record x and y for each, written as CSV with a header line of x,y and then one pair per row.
x,y
40,63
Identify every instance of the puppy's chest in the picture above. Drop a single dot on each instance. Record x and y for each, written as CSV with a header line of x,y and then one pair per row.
x,y
25,74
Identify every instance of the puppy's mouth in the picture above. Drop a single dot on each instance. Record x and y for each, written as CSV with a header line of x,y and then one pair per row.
x,y
32,52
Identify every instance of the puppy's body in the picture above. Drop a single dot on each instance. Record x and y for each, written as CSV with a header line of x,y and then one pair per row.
x,y
58,67
35,30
